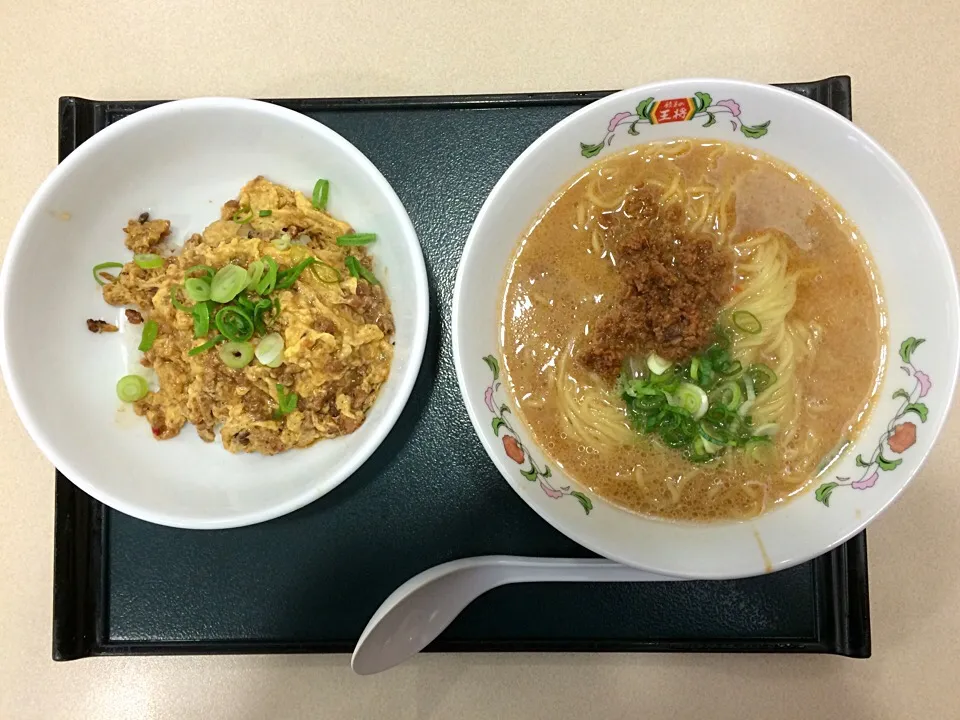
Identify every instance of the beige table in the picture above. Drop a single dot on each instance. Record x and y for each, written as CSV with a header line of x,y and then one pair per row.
x,y
905,63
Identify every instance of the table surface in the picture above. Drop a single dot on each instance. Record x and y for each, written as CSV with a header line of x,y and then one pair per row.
x,y
904,61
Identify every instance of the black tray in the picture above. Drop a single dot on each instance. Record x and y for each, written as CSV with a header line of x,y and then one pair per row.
x,y
308,582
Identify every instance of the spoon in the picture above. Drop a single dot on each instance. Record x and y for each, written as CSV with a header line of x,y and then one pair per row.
x,y
421,608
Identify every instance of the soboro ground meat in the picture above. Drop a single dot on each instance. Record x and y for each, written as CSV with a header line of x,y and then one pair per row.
x,y
673,286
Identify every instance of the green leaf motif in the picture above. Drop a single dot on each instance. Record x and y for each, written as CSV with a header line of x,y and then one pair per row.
x,y
861,462
919,408
644,107
586,502
711,120
908,346
632,130
901,393
546,471
823,493
590,150
702,101
494,366
530,474
887,464
755,131
504,409
497,423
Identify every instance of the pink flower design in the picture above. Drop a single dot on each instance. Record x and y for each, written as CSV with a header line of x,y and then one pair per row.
x,y
488,399
551,492
867,482
616,120
924,381
730,105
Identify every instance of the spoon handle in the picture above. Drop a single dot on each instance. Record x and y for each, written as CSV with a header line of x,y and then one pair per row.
x,y
534,569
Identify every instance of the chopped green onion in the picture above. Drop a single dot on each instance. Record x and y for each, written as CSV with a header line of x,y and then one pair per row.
x,y
731,368
197,289
243,215
245,303
329,274
262,306
712,434
761,450
321,191
148,261
270,350
359,271
283,242
205,269
694,368
207,345
288,277
746,321
766,429
657,364
236,355
763,377
287,402
368,276
255,271
227,283
729,394
131,388
354,239
234,324
174,298
709,447
706,374
150,329
353,265
266,213
201,319
103,266
269,281
692,399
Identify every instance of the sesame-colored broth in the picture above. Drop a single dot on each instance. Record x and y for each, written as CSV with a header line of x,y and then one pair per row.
x,y
563,277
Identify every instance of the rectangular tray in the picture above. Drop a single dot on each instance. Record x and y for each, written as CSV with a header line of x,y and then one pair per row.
x,y
308,582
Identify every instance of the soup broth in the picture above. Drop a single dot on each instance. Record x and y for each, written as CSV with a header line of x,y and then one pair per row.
x,y
797,267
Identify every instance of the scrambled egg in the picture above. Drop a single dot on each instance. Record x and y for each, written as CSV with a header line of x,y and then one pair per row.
x,y
337,334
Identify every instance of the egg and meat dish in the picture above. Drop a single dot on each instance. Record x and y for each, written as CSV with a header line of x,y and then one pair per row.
x,y
270,326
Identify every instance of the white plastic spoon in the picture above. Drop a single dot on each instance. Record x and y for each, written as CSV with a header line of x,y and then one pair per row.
x,y
420,609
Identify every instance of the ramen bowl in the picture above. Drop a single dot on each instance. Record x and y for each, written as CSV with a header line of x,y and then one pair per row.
x,y
181,161
919,345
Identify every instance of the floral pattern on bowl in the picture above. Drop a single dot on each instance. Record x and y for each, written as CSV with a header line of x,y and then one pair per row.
x,y
656,112
514,448
900,434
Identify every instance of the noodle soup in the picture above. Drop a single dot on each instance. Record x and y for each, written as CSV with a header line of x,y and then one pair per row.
x,y
693,330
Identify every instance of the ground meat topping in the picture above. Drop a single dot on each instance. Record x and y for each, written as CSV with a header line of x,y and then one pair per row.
x,y
133,317
143,237
673,286
100,326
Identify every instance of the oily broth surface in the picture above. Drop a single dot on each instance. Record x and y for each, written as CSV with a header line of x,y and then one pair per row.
x,y
559,282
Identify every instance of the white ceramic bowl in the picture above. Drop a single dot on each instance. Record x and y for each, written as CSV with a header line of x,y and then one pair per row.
x,y
917,276
181,161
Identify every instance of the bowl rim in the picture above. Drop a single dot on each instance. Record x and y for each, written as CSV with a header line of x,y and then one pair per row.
x,y
418,287
544,510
